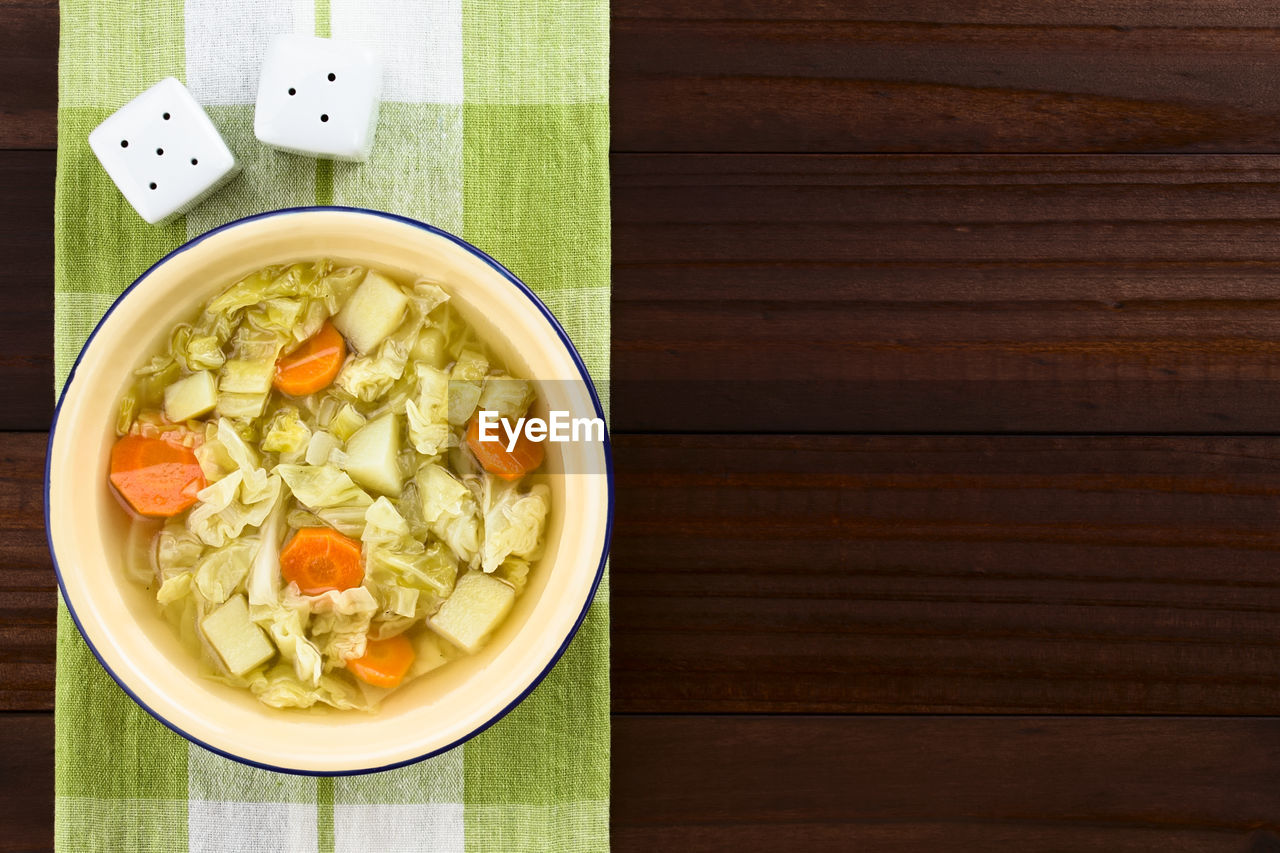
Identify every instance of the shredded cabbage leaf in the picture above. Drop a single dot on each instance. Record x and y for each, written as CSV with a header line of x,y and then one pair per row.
x,y
515,572
286,624
513,523
242,498
286,433
464,385
263,584
177,549
175,588
428,415
224,450
322,486
339,621
222,570
450,510
346,420
330,494
280,687
394,557
509,397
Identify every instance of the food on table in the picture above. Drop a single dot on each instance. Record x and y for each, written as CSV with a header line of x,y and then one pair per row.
x,y
157,475
325,523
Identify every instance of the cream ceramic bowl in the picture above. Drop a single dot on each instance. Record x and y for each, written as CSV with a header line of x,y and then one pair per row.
x,y
120,619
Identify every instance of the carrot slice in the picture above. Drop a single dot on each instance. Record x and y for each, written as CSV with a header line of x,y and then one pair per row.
x,y
385,661
319,559
313,365
157,476
493,454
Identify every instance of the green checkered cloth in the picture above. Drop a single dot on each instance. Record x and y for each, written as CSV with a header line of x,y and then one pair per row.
x,y
494,126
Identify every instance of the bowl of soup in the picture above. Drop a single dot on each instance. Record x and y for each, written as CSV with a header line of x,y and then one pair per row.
x,y
296,502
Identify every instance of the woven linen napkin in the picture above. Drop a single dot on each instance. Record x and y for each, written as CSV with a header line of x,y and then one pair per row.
x,y
494,125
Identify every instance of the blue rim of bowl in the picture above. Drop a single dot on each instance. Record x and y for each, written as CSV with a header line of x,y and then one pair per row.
x,y
564,339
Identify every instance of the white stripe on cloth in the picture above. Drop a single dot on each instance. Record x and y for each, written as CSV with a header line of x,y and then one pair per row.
x,y
418,807
404,828
237,807
420,42
416,165
437,780
220,826
416,170
227,39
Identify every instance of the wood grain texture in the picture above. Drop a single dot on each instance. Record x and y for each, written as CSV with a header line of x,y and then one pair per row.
x,y
946,294
26,785
26,290
960,784
706,784
885,293
964,574
745,75
27,585
28,73
813,75
885,574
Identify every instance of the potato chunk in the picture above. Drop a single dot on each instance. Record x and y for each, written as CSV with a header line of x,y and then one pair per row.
x,y
478,603
374,311
191,397
240,643
373,455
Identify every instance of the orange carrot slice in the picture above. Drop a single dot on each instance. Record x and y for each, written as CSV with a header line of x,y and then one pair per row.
x,y
313,365
319,559
157,477
385,661
493,455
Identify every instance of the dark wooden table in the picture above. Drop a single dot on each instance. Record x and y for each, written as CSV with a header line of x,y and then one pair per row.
x,y
946,348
